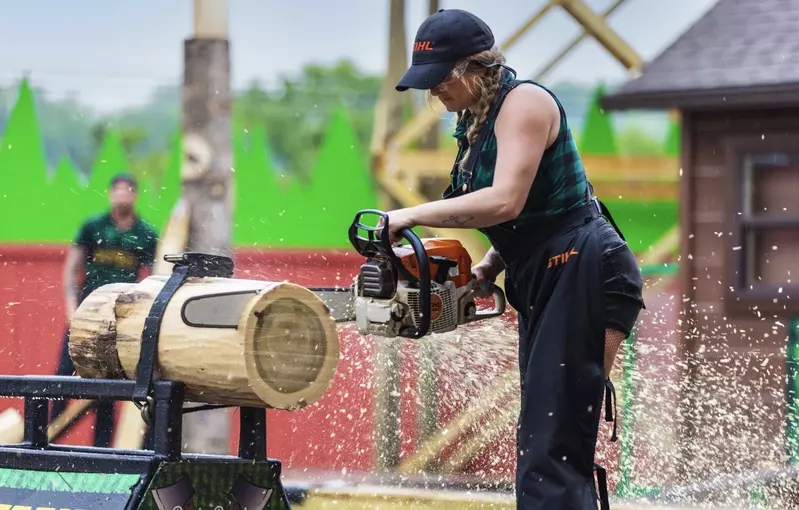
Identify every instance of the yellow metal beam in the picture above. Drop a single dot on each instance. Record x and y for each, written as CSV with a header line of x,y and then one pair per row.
x,y
572,44
638,191
437,164
595,25
502,387
530,23
647,178
663,248
362,496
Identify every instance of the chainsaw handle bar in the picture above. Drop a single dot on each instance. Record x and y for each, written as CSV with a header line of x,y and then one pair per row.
x,y
371,247
499,302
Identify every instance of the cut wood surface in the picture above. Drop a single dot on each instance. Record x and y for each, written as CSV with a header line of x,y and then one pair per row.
x,y
12,424
131,429
174,238
230,341
12,427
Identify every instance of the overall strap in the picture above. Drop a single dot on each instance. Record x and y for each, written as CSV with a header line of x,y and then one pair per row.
x,y
468,170
471,162
603,210
602,487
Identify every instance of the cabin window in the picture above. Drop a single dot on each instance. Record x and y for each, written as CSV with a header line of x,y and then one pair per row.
x,y
765,234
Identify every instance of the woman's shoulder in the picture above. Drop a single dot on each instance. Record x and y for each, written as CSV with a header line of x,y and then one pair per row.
x,y
529,104
531,95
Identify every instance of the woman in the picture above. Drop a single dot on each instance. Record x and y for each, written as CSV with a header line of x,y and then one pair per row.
x,y
570,275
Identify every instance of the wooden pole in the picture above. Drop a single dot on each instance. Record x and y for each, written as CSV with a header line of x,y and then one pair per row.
x,y
428,350
206,174
427,452
12,424
387,353
430,138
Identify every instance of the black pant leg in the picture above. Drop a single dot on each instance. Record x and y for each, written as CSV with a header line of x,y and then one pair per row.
x,y
104,421
104,427
562,345
65,367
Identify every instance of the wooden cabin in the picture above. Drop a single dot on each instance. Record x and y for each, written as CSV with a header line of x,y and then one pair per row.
x,y
734,78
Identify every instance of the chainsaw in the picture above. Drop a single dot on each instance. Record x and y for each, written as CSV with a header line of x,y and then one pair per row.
x,y
409,290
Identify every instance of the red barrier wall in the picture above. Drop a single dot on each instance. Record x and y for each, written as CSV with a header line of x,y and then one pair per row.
x,y
332,434
335,433
33,322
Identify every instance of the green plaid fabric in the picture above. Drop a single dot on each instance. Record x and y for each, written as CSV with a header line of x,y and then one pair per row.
x,y
560,184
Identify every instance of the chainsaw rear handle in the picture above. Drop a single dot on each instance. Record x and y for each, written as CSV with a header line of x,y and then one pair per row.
x,y
371,247
499,302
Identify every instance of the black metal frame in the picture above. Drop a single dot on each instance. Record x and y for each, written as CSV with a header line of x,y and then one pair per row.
x,y
161,403
37,453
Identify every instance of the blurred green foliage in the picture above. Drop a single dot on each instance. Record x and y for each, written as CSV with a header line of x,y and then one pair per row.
x,y
300,157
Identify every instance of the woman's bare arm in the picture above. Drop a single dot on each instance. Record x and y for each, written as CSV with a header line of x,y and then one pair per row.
x,y
523,129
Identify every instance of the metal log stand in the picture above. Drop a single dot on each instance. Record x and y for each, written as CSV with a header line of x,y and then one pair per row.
x,y
38,474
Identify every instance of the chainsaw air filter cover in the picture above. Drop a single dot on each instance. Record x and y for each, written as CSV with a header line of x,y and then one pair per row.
x,y
377,279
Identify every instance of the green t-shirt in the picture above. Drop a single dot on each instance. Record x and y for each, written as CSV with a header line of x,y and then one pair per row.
x,y
113,256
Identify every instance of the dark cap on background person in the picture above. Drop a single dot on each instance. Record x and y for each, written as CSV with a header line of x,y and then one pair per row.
x,y
123,177
443,39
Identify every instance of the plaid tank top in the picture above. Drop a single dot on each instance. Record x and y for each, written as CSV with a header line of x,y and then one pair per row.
x,y
560,184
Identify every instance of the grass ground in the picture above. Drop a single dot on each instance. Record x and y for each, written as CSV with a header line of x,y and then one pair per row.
x,y
380,498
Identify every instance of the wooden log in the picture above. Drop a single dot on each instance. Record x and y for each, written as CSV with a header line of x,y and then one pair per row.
x,y
230,341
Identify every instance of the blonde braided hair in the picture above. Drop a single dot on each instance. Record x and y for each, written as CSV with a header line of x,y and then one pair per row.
x,y
483,86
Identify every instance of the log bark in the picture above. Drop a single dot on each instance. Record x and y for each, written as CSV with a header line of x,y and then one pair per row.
x,y
230,341
97,358
387,354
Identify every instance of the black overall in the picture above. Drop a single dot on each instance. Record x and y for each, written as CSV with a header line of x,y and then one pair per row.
x,y
568,280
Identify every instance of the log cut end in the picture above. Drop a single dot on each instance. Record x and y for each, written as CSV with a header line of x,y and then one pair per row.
x,y
93,334
291,346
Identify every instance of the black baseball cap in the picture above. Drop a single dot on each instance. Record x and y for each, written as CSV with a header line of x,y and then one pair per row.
x,y
442,40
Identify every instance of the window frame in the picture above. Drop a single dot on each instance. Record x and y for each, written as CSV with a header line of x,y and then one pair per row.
x,y
739,298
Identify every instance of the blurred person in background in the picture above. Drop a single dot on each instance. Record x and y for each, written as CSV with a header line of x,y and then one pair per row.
x,y
116,246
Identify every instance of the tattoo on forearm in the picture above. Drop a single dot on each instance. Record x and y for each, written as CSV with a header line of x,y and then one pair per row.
x,y
458,221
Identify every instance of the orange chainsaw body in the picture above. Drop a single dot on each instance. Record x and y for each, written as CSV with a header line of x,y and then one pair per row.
x,y
437,247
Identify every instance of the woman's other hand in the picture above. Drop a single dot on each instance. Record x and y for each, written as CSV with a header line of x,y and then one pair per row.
x,y
489,268
485,271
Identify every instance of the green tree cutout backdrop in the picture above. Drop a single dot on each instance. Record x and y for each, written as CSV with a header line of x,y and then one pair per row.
x,y
642,223
272,210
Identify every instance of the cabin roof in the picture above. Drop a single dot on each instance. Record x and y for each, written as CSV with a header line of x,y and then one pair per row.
x,y
740,52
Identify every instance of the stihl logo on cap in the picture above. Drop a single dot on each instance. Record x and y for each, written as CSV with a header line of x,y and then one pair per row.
x,y
423,46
